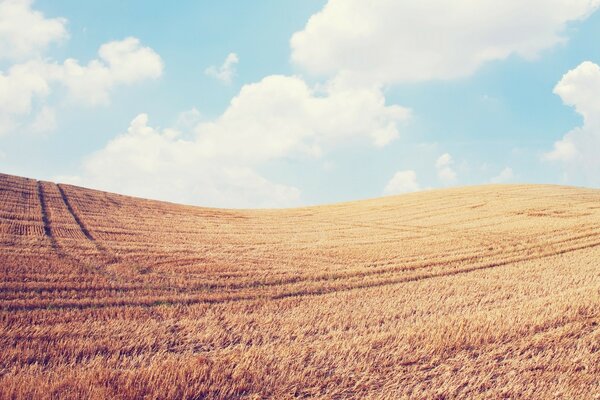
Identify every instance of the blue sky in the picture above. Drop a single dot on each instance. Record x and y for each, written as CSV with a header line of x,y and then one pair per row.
x,y
352,103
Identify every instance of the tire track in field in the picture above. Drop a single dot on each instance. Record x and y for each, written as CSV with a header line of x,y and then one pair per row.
x,y
209,286
516,255
46,220
305,292
59,250
106,252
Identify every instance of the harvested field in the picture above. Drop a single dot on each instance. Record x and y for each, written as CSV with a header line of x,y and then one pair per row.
x,y
478,292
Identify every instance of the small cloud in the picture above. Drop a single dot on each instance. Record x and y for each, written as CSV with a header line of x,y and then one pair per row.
x,y
443,161
444,169
44,121
564,150
504,176
402,182
187,120
490,102
328,166
226,71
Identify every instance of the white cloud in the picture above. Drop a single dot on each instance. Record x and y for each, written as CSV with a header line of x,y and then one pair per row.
x,y
154,163
281,116
445,172
25,32
504,176
121,63
18,88
388,41
402,182
443,161
226,71
579,149
564,150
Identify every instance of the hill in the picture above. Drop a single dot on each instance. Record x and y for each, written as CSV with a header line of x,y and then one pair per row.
x,y
485,292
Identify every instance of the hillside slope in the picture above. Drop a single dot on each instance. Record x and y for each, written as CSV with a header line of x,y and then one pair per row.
x,y
490,291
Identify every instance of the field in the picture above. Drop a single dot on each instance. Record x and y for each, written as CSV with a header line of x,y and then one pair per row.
x,y
479,292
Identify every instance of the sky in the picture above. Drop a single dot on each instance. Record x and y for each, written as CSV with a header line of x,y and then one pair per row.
x,y
283,103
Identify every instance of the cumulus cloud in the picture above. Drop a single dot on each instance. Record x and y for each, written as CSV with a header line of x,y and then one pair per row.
x,y
402,182
120,63
408,41
275,118
19,86
226,71
504,176
578,151
282,115
18,89
445,172
25,32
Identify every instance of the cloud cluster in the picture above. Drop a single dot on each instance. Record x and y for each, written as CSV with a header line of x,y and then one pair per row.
x,y
578,151
282,116
358,48
154,163
120,62
389,41
226,71
25,35
278,117
361,48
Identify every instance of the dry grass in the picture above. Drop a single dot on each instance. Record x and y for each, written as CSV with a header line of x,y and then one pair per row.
x,y
484,292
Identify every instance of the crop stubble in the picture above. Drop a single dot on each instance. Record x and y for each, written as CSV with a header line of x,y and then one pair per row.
x,y
490,291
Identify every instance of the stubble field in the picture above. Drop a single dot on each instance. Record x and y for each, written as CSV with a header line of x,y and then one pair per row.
x,y
480,292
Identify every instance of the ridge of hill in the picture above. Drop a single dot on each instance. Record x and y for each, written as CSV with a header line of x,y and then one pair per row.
x,y
490,291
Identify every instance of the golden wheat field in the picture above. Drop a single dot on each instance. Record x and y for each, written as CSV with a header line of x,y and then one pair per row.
x,y
479,292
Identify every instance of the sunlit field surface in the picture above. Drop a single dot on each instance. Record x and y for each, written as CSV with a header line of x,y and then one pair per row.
x,y
479,292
